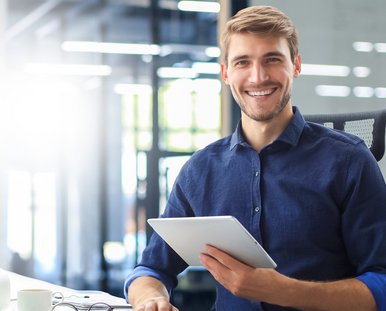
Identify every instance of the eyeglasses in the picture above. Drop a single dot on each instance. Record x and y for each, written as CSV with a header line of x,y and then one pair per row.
x,y
99,306
60,304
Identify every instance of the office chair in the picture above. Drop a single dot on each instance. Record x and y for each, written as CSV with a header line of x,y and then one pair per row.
x,y
370,126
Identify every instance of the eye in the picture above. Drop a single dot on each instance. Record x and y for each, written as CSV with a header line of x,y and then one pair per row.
x,y
240,63
272,60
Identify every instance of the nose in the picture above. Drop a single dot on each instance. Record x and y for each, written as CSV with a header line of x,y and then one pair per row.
x,y
258,74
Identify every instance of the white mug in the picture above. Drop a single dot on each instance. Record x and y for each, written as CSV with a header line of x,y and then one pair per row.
x,y
34,300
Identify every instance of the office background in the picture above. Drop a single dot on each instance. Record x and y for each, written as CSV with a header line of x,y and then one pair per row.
x,y
102,101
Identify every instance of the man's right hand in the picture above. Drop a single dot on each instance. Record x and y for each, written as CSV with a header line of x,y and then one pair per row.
x,y
155,304
149,294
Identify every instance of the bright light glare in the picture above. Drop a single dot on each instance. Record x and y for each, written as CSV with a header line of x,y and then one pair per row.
x,y
111,47
380,92
325,70
114,252
132,89
175,113
363,91
361,46
333,90
380,47
199,6
206,68
207,107
45,120
19,213
213,51
171,72
361,72
45,219
67,69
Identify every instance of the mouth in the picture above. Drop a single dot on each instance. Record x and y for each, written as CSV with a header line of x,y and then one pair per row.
x,y
261,93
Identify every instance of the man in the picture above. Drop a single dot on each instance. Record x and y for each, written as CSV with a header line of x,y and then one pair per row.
x,y
313,197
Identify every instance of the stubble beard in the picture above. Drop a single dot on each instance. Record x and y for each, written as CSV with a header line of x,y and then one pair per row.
x,y
265,116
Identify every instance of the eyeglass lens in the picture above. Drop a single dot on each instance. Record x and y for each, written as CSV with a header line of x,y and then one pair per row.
x,y
100,306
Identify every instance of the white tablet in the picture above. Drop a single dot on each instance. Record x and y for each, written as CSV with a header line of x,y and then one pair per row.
x,y
187,236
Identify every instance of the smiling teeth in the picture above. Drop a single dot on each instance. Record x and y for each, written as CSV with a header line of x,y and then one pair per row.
x,y
261,93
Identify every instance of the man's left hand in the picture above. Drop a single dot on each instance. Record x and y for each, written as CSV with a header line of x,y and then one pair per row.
x,y
245,281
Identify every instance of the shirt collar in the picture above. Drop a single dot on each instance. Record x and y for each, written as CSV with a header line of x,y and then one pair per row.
x,y
290,135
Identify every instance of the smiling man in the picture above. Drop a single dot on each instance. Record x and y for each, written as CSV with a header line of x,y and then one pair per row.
x,y
313,197
260,73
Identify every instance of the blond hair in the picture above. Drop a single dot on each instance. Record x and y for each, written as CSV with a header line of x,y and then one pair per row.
x,y
266,20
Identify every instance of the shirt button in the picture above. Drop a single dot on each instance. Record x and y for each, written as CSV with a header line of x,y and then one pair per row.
x,y
257,209
257,173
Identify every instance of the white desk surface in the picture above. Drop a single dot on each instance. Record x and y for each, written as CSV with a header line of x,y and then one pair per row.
x,y
21,282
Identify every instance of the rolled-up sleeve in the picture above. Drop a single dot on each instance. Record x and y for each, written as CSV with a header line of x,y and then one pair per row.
x,y
376,282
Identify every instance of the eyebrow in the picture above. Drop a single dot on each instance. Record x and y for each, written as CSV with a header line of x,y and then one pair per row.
x,y
271,54
267,55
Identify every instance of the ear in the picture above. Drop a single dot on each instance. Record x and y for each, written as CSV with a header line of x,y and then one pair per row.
x,y
224,74
297,66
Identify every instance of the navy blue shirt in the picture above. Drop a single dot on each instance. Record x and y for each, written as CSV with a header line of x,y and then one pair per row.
x,y
315,199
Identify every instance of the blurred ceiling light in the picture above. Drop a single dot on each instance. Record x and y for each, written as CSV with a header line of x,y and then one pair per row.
x,y
167,4
325,70
111,47
361,72
213,51
202,85
333,90
206,68
363,91
68,69
177,72
135,3
114,252
93,83
380,92
380,47
361,46
128,88
199,6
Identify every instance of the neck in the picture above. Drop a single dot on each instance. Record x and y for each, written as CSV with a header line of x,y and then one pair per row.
x,y
262,133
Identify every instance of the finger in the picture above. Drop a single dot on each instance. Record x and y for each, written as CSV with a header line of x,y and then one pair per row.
x,y
208,261
215,268
165,306
156,305
225,259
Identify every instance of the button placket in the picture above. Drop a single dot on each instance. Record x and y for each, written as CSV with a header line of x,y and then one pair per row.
x,y
256,207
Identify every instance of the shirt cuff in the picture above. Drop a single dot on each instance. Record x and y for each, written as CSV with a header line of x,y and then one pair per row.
x,y
376,282
145,271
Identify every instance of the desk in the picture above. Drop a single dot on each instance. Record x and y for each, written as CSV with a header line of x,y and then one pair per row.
x,y
21,282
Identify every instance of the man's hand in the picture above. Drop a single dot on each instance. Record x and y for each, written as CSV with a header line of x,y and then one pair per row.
x,y
270,286
155,304
149,294
242,280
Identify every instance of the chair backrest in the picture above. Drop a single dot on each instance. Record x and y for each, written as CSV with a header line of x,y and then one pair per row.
x,y
370,126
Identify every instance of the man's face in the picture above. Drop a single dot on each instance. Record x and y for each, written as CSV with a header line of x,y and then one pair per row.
x,y
260,74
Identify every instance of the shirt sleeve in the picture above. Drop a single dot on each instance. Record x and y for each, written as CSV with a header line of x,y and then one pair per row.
x,y
376,282
364,215
145,271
